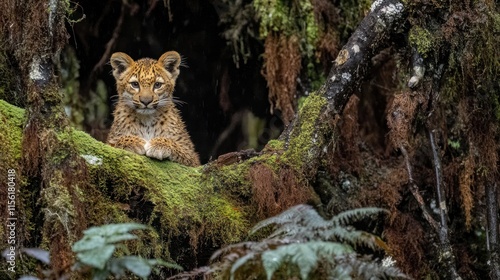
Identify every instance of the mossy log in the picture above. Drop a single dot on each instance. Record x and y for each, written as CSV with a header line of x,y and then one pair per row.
x,y
190,210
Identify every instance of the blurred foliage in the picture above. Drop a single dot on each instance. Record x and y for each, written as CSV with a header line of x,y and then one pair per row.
x,y
94,254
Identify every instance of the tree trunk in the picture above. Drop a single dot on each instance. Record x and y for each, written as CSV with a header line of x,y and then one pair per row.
x,y
49,171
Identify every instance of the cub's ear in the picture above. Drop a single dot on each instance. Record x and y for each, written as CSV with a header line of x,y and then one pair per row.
x,y
120,62
171,61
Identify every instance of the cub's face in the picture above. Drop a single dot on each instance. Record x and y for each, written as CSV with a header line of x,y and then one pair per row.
x,y
145,85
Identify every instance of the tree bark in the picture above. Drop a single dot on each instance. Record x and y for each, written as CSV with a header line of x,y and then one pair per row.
x,y
50,167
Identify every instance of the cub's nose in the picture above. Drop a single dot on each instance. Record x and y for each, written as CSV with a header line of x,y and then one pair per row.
x,y
146,100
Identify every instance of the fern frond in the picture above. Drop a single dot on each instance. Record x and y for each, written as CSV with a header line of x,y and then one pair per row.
x,y
351,216
293,222
241,249
284,231
355,238
305,256
304,245
241,262
313,220
292,215
237,249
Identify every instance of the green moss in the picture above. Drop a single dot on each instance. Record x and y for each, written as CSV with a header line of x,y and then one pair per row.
x,y
232,232
423,40
228,180
282,17
10,136
11,123
182,203
305,135
274,16
275,145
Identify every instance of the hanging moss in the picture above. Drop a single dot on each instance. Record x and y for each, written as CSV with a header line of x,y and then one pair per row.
x,y
289,18
352,12
422,39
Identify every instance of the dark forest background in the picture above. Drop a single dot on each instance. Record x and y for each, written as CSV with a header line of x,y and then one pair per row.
x,y
225,101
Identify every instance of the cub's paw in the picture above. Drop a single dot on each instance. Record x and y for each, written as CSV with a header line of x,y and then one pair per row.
x,y
158,148
132,144
138,149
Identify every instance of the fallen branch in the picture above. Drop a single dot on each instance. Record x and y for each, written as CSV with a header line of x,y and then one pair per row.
x,y
416,192
446,251
354,60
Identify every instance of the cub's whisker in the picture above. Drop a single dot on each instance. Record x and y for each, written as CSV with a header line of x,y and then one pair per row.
x,y
177,101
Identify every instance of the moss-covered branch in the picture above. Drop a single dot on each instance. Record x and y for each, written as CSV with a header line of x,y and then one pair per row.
x,y
178,201
189,208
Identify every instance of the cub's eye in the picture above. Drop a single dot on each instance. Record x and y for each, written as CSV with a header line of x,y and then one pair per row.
x,y
157,85
134,84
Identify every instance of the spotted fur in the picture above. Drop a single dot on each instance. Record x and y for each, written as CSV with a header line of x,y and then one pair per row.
x,y
146,119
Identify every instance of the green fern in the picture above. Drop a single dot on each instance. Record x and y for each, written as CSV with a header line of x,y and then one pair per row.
x,y
302,222
304,245
95,251
305,255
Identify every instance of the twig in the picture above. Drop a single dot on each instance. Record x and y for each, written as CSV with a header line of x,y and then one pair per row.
x,y
439,189
447,256
235,120
416,192
110,44
104,14
166,3
152,6
492,232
